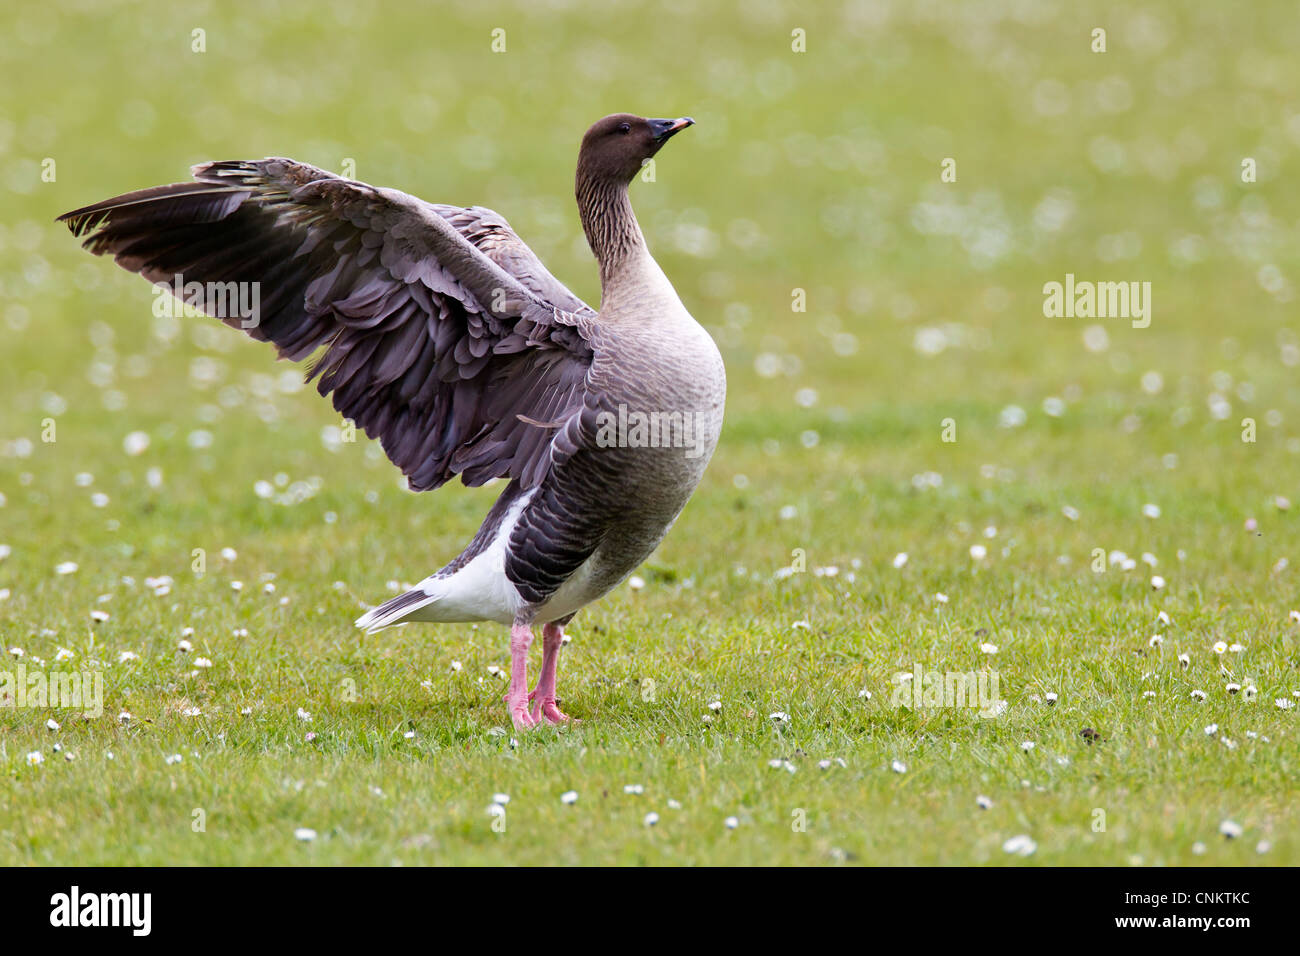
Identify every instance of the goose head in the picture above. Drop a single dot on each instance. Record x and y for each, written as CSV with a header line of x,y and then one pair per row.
x,y
615,148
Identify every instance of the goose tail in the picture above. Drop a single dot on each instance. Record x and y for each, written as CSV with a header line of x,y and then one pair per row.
x,y
395,611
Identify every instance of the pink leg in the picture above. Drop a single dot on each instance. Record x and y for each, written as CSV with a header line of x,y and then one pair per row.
x,y
516,698
543,695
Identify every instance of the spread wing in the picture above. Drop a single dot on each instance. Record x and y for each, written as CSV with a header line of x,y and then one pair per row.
x,y
444,336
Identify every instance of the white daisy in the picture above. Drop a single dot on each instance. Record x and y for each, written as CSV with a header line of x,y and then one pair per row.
x,y
1020,845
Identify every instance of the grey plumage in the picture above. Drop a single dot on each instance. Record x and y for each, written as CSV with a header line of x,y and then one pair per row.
x,y
431,346
441,334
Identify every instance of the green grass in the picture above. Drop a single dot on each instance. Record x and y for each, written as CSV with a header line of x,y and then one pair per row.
x,y
806,171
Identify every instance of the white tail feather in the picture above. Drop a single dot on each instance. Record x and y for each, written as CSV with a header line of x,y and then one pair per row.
x,y
395,611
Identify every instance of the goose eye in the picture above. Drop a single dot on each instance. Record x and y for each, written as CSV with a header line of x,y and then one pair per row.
x,y
624,128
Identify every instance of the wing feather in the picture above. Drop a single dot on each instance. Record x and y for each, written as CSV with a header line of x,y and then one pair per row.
x,y
440,333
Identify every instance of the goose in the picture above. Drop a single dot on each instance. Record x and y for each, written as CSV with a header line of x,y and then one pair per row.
x,y
443,336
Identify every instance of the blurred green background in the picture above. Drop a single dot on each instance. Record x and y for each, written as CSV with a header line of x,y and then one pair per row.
x,y
816,171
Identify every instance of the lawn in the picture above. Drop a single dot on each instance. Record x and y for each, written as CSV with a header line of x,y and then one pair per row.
x,y
920,471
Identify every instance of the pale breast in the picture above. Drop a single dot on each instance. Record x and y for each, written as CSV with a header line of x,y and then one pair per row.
x,y
661,386
661,414
656,394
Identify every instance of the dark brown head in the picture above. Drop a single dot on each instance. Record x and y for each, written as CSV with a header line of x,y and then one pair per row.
x,y
615,147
